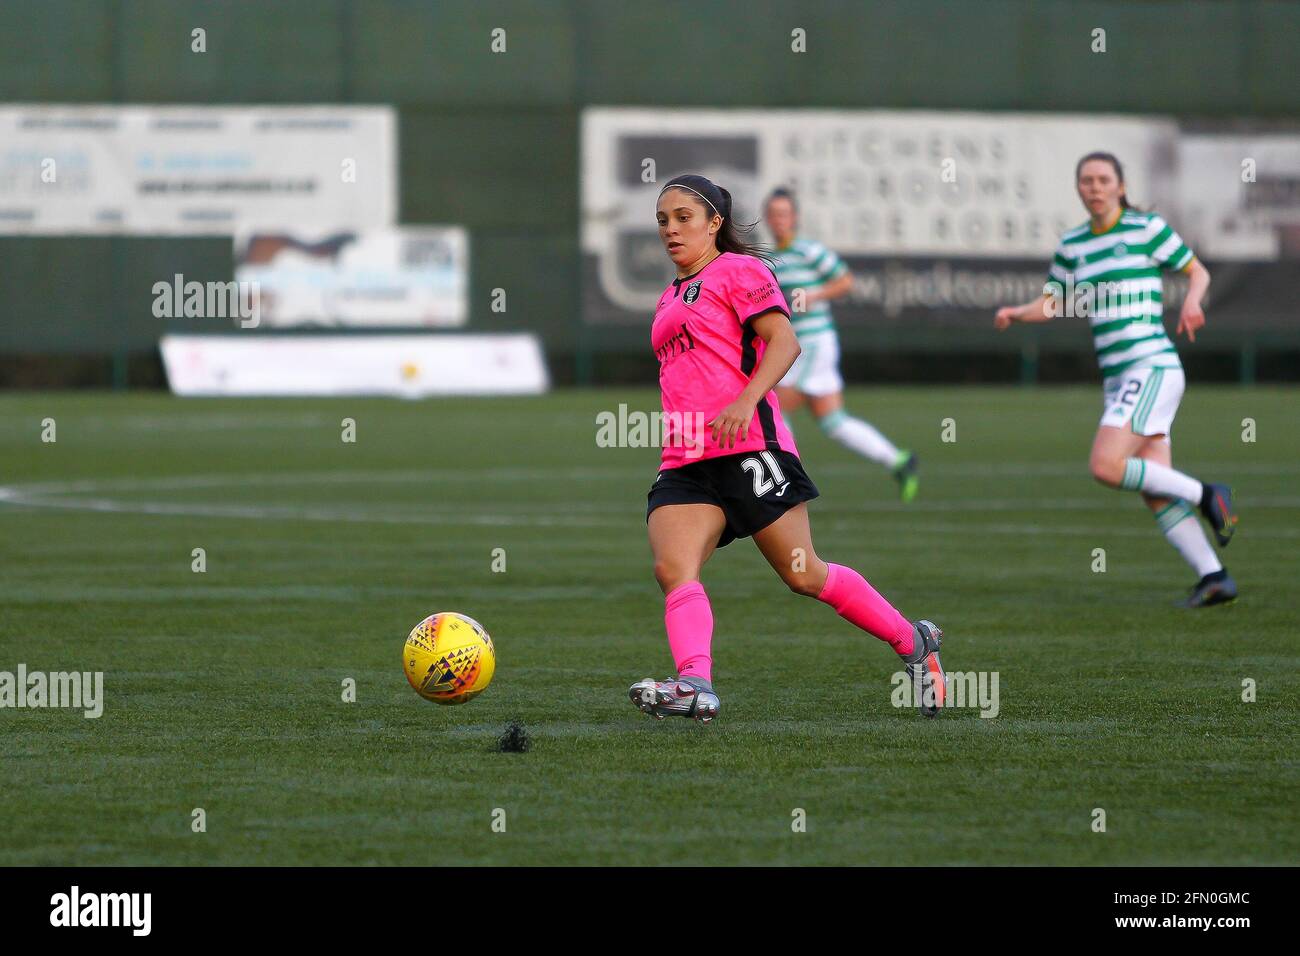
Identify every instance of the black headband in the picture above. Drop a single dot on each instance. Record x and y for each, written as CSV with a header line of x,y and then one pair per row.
x,y
703,188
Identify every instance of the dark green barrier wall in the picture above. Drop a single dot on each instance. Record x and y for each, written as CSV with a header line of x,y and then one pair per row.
x,y
491,141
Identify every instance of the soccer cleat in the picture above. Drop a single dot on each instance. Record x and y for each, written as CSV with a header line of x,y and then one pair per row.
x,y
1216,505
680,697
905,475
1215,588
924,669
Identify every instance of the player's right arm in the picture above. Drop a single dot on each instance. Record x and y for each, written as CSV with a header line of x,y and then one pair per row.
x,y
1047,306
1042,309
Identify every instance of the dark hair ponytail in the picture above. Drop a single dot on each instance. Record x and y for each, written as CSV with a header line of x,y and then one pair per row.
x,y
733,236
1119,173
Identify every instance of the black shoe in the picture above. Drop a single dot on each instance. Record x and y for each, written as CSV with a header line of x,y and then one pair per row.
x,y
1216,588
1216,505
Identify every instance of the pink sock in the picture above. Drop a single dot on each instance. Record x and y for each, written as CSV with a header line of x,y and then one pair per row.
x,y
859,603
689,620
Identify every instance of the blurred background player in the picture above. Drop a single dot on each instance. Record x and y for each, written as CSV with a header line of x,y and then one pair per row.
x,y
811,276
1109,268
722,335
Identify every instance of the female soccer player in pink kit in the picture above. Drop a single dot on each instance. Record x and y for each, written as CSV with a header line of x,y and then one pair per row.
x,y
723,338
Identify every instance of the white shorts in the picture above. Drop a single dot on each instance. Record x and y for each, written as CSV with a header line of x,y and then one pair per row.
x,y
817,369
1145,398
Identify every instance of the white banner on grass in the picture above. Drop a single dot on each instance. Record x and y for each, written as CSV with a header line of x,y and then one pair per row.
x,y
195,170
408,366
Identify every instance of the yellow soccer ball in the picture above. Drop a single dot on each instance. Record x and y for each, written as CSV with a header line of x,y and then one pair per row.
x,y
449,658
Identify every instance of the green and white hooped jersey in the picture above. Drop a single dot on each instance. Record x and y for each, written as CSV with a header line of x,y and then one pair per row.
x,y
1114,279
805,264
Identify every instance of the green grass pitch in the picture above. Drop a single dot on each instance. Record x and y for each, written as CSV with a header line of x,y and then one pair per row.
x,y
223,689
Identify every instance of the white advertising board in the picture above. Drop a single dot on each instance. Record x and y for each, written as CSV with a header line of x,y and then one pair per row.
x,y
195,170
400,276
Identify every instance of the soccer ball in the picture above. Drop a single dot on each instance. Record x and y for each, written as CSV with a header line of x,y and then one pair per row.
x,y
449,658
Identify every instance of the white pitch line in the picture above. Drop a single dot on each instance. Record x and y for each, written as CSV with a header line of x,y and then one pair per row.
x,y
480,475
827,521
1058,470
251,512
1051,530
265,479
191,422
977,504
37,494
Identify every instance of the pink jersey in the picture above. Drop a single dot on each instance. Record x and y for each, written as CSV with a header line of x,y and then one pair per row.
x,y
707,353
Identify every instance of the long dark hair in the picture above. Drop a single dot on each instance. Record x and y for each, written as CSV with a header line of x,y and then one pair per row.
x,y
732,236
1119,173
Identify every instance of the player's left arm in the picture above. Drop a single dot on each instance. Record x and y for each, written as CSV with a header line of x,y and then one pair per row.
x,y
1192,316
773,327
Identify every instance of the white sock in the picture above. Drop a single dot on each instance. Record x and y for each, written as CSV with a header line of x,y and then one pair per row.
x,y
1188,537
856,435
1159,480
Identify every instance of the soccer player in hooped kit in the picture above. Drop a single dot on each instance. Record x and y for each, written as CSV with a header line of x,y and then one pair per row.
x,y
816,275
723,338
1112,265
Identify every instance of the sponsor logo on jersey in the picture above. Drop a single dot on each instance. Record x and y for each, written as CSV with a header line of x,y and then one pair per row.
x,y
680,342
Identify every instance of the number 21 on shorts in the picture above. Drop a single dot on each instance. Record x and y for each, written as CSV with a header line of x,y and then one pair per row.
x,y
762,483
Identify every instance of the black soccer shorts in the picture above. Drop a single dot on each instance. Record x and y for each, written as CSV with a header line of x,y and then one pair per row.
x,y
753,489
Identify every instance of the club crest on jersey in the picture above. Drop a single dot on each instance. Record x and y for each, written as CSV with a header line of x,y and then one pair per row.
x,y
1121,249
692,292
